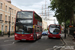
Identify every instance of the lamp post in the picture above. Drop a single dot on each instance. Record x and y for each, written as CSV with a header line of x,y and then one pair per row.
x,y
9,23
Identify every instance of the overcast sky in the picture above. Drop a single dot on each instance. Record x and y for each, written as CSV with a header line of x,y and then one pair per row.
x,y
35,5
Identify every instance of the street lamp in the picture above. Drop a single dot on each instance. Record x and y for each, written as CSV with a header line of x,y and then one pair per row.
x,y
9,23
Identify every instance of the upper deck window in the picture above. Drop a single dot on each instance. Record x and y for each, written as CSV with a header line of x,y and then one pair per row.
x,y
25,14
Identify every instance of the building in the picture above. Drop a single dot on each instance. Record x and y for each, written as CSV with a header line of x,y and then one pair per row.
x,y
44,24
7,12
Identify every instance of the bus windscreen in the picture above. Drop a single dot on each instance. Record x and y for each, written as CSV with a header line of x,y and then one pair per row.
x,y
24,21
54,29
23,29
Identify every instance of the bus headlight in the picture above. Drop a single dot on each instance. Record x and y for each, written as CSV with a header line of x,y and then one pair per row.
x,y
31,35
15,34
59,34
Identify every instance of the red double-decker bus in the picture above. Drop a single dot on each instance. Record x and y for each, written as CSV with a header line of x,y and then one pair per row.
x,y
54,31
28,26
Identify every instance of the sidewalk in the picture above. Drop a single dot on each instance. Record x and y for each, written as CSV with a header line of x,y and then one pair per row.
x,y
6,36
69,43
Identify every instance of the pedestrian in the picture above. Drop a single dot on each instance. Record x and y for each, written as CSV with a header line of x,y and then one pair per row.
x,y
74,35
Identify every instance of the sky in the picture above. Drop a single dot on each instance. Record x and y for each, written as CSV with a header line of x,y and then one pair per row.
x,y
34,5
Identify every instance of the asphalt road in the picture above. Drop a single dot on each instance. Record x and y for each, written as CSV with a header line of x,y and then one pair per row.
x,y
42,44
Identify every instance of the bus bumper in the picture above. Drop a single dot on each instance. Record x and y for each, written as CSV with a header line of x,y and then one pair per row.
x,y
54,36
24,38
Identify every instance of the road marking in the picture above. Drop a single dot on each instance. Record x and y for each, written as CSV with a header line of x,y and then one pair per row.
x,y
14,42
6,44
44,37
49,49
8,40
62,41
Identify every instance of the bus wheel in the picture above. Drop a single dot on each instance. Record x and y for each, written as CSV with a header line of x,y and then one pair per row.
x,y
40,37
49,37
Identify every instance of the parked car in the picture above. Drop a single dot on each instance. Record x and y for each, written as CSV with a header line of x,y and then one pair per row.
x,y
45,32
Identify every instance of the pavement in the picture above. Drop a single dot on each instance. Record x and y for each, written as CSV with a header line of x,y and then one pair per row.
x,y
6,36
69,44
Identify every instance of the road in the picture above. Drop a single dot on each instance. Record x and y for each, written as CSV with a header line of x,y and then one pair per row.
x,y
42,44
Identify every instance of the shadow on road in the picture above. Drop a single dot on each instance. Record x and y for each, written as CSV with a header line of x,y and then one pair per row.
x,y
22,41
26,41
55,38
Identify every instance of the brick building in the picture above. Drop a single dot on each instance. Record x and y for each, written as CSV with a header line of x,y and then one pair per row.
x,y
7,11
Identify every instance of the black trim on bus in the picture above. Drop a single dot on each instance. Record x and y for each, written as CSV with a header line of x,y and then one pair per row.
x,y
24,23
24,18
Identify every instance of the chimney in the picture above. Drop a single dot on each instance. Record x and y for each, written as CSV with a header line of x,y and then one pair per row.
x,y
8,1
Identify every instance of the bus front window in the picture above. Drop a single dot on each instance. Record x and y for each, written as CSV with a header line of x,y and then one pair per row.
x,y
54,29
24,29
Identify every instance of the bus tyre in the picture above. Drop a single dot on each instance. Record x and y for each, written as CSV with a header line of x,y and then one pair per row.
x,y
49,37
40,37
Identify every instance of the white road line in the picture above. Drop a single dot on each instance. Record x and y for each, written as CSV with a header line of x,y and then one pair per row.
x,y
8,44
8,40
49,49
44,37
14,42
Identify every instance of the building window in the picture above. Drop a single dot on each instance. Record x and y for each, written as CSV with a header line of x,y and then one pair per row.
x,y
9,18
12,10
12,19
0,16
1,5
9,9
12,28
6,8
15,11
2,28
5,17
5,28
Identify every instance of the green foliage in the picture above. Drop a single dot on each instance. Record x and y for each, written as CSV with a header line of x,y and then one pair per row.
x,y
0,31
45,29
63,9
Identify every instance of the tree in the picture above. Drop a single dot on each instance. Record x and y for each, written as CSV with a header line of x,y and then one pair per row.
x,y
64,9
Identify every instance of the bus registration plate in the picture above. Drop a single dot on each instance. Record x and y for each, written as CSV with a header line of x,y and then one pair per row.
x,y
23,39
54,37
